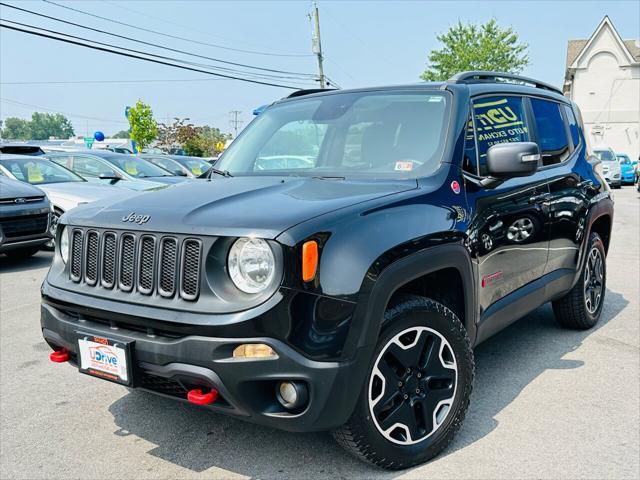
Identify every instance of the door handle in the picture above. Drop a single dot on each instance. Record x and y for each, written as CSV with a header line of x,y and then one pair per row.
x,y
543,197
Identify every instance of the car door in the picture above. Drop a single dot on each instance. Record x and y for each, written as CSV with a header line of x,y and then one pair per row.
x,y
508,235
91,168
571,179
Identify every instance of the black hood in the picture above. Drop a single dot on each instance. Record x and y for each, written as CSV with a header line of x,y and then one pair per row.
x,y
10,188
261,206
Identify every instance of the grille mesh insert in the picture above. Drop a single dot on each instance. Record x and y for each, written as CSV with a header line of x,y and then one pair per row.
x,y
168,262
190,269
146,264
127,261
109,260
91,272
76,255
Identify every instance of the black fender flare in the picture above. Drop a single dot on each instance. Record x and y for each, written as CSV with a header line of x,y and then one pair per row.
x,y
603,207
371,308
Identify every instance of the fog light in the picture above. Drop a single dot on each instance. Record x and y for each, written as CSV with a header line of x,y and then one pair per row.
x,y
292,395
254,350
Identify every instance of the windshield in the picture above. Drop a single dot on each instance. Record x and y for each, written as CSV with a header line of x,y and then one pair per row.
x,y
166,162
623,159
135,166
605,155
38,172
365,134
195,165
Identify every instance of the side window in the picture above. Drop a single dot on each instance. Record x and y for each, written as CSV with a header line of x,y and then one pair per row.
x,y
90,167
552,133
470,163
498,119
573,125
64,160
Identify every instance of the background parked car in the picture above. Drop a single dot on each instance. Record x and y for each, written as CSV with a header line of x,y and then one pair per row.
x,y
110,168
186,165
610,166
24,218
627,168
21,149
64,188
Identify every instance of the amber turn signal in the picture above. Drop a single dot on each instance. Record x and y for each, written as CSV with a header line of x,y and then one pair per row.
x,y
254,350
309,260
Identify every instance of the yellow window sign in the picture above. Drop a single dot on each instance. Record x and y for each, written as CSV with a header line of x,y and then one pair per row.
x,y
34,174
131,168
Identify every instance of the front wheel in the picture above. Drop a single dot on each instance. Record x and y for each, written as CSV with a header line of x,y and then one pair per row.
x,y
417,391
581,307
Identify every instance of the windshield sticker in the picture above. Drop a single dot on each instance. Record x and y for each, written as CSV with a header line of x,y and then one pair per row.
x,y
130,168
34,174
404,166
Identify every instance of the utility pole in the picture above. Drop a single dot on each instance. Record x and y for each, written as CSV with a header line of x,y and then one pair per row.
x,y
316,44
235,123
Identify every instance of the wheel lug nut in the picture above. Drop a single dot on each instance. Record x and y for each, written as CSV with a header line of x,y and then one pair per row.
x,y
400,384
408,370
405,396
419,375
417,390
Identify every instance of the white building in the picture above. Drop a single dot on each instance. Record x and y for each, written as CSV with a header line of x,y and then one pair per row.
x,y
603,78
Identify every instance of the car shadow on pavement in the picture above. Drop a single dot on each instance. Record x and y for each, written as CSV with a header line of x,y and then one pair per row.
x,y
39,260
198,440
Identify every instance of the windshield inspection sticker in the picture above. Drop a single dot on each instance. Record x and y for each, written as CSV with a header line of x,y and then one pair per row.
x,y
405,166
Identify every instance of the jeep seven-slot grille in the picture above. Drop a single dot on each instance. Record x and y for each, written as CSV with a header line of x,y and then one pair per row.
x,y
146,264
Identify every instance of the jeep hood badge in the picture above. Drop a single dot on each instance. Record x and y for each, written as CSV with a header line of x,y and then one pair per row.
x,y
134,218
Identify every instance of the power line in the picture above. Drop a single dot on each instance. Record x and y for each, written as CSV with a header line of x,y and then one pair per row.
x,y
68,114
129,55
306,75
212,67
75,82
171,36
190,28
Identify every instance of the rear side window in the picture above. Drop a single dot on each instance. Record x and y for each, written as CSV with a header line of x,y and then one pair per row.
x,y
552,134
498,119
573,125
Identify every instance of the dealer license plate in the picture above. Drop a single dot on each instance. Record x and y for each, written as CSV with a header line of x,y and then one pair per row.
x,y
104,358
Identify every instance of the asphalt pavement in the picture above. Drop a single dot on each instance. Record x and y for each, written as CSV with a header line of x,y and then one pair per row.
x,y
548,402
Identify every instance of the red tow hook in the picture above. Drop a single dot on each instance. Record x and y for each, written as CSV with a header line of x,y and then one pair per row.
x,y
59,356
196,396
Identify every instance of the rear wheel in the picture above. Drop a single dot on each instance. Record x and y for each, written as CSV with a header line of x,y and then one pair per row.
x,y
418,388
581,307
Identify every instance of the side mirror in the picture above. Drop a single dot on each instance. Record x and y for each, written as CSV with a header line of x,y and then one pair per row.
x,y
513,159
113,176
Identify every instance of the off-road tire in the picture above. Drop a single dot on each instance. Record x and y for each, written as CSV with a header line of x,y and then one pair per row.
x,y
571,310
361,437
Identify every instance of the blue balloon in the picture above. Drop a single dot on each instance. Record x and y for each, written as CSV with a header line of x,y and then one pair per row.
x,y
99,136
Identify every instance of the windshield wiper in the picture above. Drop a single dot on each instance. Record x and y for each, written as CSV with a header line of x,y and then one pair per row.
x,y
222,173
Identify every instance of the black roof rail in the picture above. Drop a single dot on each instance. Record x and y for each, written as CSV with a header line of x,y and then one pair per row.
x,y
479,76
309,91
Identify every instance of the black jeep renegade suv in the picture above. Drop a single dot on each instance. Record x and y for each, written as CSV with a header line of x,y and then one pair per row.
x,y
343,259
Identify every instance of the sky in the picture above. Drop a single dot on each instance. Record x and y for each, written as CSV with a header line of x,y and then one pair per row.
x,y
364,44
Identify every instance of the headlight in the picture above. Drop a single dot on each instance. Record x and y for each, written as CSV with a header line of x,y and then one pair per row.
x,y
251,265
64,245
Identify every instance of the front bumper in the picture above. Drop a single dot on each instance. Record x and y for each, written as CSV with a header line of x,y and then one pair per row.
x,y
170,365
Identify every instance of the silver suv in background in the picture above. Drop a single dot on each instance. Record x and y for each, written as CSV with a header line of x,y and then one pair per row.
x,y
610,166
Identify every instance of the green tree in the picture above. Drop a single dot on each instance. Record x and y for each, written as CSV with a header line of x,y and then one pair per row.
x,y
42,126
121,134
16,129
46,125
476,47
144,128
